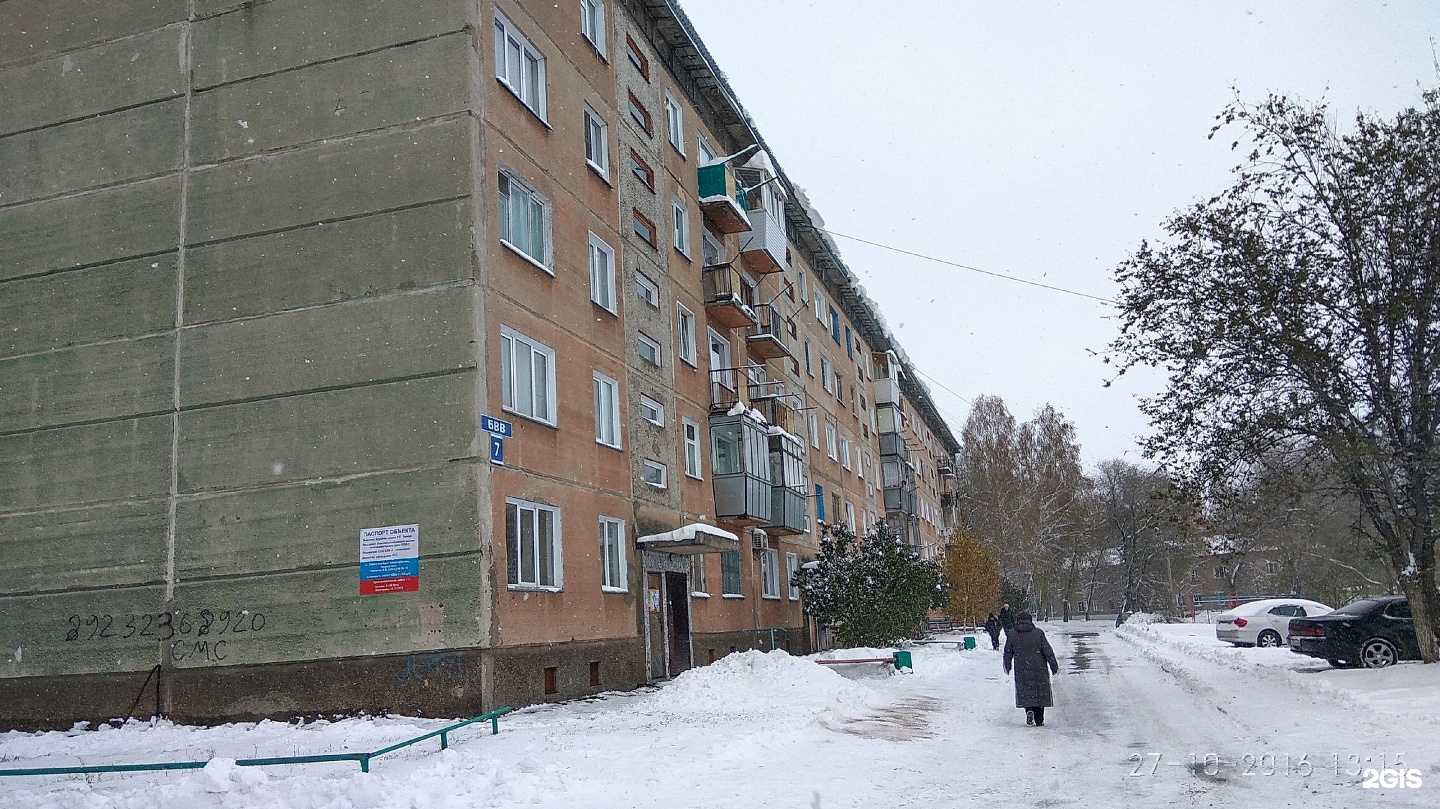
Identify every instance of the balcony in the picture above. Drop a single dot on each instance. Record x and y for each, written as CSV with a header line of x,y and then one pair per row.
x,y
762,247
720,199
724,298
887,391
788,487
740,468
779,408
897,478
767,339
893,444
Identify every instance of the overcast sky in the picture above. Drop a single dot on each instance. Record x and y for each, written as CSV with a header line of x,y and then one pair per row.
x,y
1040,140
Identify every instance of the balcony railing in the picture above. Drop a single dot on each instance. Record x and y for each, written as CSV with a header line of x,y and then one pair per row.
x,y
725,299
779,408
767,339
720,199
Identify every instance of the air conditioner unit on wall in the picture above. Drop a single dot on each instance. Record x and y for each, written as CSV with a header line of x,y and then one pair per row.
x,y
759,540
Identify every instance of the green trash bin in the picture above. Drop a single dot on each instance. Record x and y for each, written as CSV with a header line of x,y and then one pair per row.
x,y
902,660
969,641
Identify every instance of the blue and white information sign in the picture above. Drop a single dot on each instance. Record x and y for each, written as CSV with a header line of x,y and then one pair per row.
x,y
490,424
389,559
497,450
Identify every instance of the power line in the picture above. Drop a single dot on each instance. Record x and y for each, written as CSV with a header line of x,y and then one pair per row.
x,y
972,269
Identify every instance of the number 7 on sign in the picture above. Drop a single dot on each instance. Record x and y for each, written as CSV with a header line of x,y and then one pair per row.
x,y
497,450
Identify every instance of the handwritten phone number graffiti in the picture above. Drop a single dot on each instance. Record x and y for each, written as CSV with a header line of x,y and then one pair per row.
x,y
162,626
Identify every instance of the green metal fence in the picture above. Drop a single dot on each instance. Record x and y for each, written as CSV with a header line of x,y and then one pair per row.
x,y
363,759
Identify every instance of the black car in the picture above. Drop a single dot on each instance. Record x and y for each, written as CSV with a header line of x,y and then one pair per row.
x,y
1371,632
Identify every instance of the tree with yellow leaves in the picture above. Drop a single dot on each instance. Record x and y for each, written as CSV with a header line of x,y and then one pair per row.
x,y
972,578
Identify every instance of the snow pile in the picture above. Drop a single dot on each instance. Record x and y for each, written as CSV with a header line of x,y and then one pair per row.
x,y
746,685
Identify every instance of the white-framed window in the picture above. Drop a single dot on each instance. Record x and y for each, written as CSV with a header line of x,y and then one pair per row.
x,y
809,358
612,555
527,372
814,430
819,305
804,287
652,411
830,440
519,66
690,435
770,574
712,252
699,581
685,325
859,462
703,150
755,373
844,452
602,274
850,516
532,545
827,379
720,361
592,23
597,142
674,123
524,220
607,411
681,220
654,473
792,565
646,290
648,348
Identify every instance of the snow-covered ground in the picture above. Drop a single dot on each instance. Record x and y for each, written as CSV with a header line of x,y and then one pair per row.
x,y
1146,716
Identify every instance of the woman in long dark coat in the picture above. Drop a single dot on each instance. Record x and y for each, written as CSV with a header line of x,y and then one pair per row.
x,y
1028,651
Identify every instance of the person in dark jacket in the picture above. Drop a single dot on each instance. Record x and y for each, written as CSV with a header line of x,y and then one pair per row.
x,y
992,626
1029,652
1007,619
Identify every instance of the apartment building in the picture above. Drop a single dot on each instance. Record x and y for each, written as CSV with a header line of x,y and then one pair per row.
x,y
418,357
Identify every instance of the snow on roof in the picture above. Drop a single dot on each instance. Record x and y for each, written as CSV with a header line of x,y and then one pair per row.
x,y
687,533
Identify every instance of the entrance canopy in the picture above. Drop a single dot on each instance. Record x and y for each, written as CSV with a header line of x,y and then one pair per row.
x,y
693,538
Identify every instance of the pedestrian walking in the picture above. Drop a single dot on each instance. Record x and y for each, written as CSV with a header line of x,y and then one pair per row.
x,y
1028,651
992,626
1007,619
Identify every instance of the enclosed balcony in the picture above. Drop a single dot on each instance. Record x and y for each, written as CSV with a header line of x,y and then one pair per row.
x,y
740,467
725,297
768,339
887,378
720,196
889,419
762,246
893,444
788,485
897,477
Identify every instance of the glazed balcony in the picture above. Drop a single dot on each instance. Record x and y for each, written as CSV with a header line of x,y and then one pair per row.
x,y
762,247
788,485
725,297
740,467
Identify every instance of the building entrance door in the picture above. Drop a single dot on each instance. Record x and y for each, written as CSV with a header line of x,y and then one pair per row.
x,y
657,644
677,621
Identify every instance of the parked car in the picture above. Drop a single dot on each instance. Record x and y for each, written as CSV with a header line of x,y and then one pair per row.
x,y
1371,632
1265,622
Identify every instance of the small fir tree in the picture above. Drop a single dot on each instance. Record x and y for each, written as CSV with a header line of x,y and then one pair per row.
x,y
871,591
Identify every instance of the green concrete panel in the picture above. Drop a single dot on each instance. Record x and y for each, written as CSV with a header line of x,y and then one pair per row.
x,y
109,380
319,435
347,344
110,546
83,633
330,181
112,300
259,40
313,615
327,263
104,226
86,464
92,81
318,525
396,85
34,29
140,142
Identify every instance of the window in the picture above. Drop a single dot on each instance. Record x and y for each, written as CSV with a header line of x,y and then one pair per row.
x,y
632,51
602,274
673,123
720,369
648,348
1220,571
814,430
835,324
845,452
532,540
850,516
820,502
592,23
642,171
1272,568
849,344
703,150
730,574
690,433
685,324
646,290
819,305
827,380
699,586
524,220
770,574
607,411
519,66
711,251
527,376
597,142
612,555
644,228
640,115
653,473
809,360
830,442
804,287
652,411
681,220
859,462
792,566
